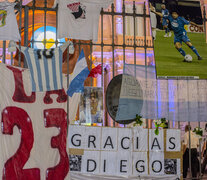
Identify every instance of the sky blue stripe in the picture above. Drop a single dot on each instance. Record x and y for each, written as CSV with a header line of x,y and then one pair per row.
x,y
61,63
77,84
128,108
81,56
54,72
39,75
47,78
28,59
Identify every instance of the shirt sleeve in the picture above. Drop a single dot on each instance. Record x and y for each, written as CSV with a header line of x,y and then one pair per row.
x,y
185,21
68,44
107,3
55,3
166,14
170,18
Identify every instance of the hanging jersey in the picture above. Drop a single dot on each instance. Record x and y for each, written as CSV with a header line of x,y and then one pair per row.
x,y
46,66
8,23
79,19
178,25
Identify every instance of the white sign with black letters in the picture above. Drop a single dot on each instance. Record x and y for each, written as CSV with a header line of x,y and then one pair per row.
x,y
172,137
156,142
122,151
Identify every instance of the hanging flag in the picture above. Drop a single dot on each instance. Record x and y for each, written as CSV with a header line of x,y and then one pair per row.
x,y
45,66
79,75
96,71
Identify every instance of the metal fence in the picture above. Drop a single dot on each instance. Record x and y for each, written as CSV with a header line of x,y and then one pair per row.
x,y
121,21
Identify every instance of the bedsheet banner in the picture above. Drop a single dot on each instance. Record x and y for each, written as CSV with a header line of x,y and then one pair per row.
x,y
34,146
175,100
34,128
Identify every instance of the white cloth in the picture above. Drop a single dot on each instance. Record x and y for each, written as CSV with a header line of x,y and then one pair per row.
x,y
79,176
79,19
194,140
153,19
8,23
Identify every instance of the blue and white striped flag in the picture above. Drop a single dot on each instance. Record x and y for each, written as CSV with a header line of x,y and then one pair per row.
x,y
79,75
46,66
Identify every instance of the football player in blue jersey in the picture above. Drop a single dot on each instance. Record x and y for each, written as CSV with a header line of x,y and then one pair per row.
x,y
180,34
165,14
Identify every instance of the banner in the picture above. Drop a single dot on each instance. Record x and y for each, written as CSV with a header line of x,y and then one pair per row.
x,y
34,128
128,152
34,146
194,29
175,100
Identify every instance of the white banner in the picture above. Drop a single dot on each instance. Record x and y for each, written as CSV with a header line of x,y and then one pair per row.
x,y
34,128
175,100
124,151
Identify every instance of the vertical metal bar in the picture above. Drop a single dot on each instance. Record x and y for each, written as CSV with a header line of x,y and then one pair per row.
x,y
91,63
145,52
145,36
4,52
134,22
45,19
199,125
12,59
67,87
204,19
102,68
178,103
178,124
124,33
33,16
189,147
112,16
20,26
26,18
56,42
157,82
79,48
189,129
168,108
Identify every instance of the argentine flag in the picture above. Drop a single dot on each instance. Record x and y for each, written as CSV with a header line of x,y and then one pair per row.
x,y
79,75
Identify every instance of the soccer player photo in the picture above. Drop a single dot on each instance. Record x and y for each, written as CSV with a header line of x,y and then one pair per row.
x,y
180,45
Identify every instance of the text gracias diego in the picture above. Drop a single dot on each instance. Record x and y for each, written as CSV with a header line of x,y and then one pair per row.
x,y
121,151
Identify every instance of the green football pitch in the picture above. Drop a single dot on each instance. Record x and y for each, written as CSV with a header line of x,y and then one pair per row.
x,y
169,62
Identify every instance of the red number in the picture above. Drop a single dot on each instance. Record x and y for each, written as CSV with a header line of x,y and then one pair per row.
x,y
57,118
62,97
13,168
19,91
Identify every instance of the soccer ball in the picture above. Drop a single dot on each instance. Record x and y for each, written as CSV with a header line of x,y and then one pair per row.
x,y
188,58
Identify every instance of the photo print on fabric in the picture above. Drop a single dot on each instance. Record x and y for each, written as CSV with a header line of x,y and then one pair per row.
x,y
78,10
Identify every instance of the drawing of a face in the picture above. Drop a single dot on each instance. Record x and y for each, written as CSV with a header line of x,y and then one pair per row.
x,y
3,15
